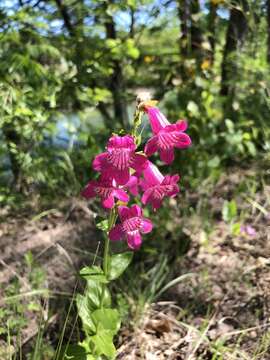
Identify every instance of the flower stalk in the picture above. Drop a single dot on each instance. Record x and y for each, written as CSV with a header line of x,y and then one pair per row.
x,y
126,174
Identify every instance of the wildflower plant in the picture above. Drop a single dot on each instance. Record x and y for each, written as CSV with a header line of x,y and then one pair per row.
x,y
127,182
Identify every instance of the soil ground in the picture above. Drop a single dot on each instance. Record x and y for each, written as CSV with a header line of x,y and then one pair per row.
x,y
222,311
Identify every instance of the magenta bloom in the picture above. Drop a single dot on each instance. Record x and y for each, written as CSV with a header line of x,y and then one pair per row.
x,y
157,120
119,158
132,185
166,136
131,226
107,190
156,186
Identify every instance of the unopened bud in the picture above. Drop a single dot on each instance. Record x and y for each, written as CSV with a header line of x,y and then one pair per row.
x,y
142,97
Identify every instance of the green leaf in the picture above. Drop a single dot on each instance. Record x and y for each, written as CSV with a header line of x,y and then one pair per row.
x,y
93,273
119,263
193,108
103,344
214,162
93,292
73,352
251,148
84,311
236,229
229,210
107,319
103,225
131,49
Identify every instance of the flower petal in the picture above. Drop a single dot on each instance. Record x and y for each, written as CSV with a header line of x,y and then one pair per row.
x,y
156,118
183,141
99,162
134,240
167,155
133,185
151,146
147,226
174,191
156,204
182,125
135,210
124,213
152,174
172,187
116,142
116,233
120,176
146,196
139,162
175,178
121,195
108,203
144,184
89,190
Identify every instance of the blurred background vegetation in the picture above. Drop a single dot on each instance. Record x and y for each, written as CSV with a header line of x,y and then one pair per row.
x,y
69,74
70,71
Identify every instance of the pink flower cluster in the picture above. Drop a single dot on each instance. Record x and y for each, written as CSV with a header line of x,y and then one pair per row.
x,y
123,170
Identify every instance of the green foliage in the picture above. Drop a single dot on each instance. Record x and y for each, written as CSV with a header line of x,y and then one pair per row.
x,y
75,352
229,210
100,322
94,273
118,264
22,298
50,76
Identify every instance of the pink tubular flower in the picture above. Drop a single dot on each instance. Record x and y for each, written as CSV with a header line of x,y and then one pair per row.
x,y
107,190
133,185
166,136
119,158
157,120
131,226
156,186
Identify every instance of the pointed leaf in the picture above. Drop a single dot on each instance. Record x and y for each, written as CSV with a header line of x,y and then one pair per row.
x,y
103,344
107,319
93,273
94,291
119,263
84,312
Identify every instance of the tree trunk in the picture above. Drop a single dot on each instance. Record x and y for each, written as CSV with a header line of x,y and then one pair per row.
x,y
196,31
191,33
236,32
268,29
212,19
117,86
184,43
184,17
75,31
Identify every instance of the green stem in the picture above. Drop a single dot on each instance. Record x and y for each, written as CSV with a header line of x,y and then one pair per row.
x,y
113,213
106,254
136,123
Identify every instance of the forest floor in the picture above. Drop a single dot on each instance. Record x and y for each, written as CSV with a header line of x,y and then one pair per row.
x,y
222,311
